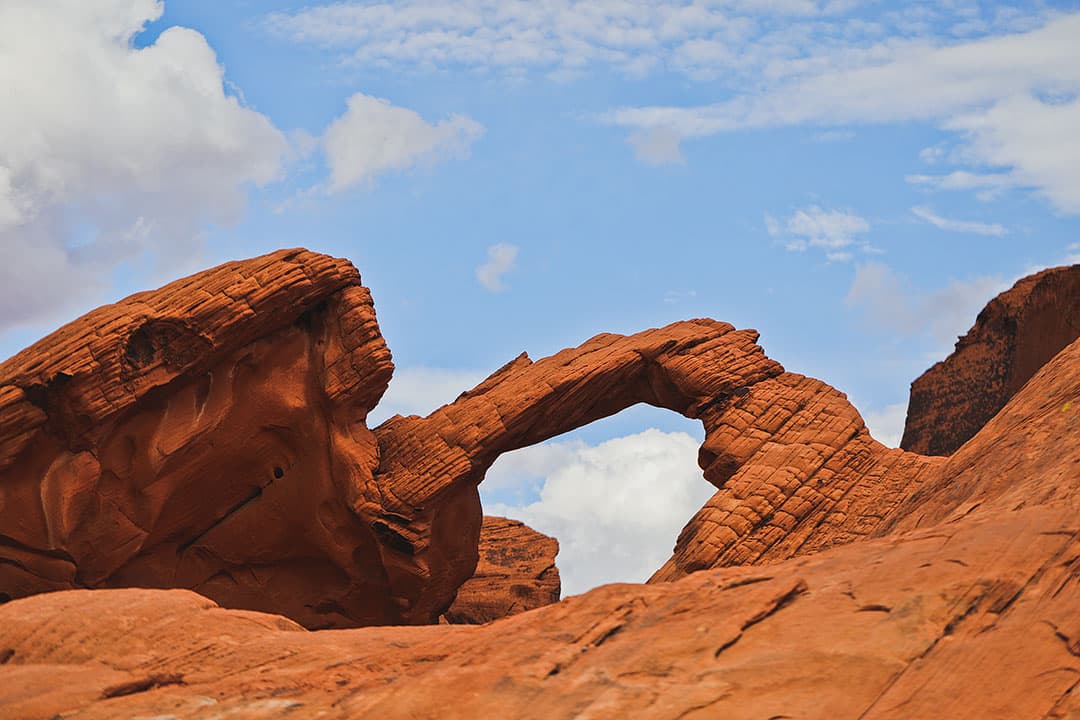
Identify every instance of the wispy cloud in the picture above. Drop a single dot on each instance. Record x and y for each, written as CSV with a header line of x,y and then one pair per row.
x,y
889,303
717,41
958,226
834,231
988,186
500,260
1012,100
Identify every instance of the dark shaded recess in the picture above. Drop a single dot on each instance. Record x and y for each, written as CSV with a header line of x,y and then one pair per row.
x,y
172,344
392,538
306,319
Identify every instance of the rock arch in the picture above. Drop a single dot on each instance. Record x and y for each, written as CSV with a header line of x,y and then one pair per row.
x,y
212,435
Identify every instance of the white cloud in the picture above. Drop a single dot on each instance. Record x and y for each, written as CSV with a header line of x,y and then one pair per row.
x,y
676,296
1012,99
826,228
421,390
501,259
901,81
108,152
552,35
890,304
616,508
1035,137
886,424
814,227
959,226
657,146
712,40
988,186
374,137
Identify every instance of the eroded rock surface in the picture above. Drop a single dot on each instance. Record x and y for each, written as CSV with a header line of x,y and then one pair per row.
x,y
207,435
839,578
516,572
970,620
1015,335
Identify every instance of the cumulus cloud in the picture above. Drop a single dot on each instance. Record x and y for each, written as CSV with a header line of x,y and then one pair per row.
x,y
616,507
421,390
109,152
814,227
374,137
960,226
889,303
500,260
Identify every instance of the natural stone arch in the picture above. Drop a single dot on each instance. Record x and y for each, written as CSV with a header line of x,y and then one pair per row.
x,y
794,464
212,435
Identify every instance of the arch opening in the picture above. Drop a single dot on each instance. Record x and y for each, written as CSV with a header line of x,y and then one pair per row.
x,y
615,494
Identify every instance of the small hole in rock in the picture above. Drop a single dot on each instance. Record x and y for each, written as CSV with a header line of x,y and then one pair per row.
x,y
278,473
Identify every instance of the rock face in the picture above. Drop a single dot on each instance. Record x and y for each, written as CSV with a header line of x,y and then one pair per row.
x,y
207,435
1014,336
211,436
966,606
516,572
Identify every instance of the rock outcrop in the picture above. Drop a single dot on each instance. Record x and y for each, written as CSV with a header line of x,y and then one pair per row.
x,y
1014,336
210,435
516,572
207,435
163,443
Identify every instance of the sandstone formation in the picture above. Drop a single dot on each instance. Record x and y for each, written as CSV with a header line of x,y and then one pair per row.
x,y
207,435
828,576
516,572
210,435
1014,336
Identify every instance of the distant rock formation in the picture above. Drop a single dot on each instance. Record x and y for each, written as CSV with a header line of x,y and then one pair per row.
x,y
1014,336
516,573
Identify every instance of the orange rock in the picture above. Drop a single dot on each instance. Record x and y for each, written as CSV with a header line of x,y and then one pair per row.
x,y
841,579
1014,336
516,573
207,435
968,620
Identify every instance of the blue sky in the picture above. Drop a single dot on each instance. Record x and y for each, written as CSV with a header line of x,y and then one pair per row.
x,y
853,178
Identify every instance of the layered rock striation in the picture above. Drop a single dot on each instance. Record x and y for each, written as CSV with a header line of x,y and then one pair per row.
x,y
207,435
212,436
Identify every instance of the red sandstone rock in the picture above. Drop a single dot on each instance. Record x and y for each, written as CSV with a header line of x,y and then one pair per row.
x,y
207,435
516,573
874,583
970,620
1014,336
